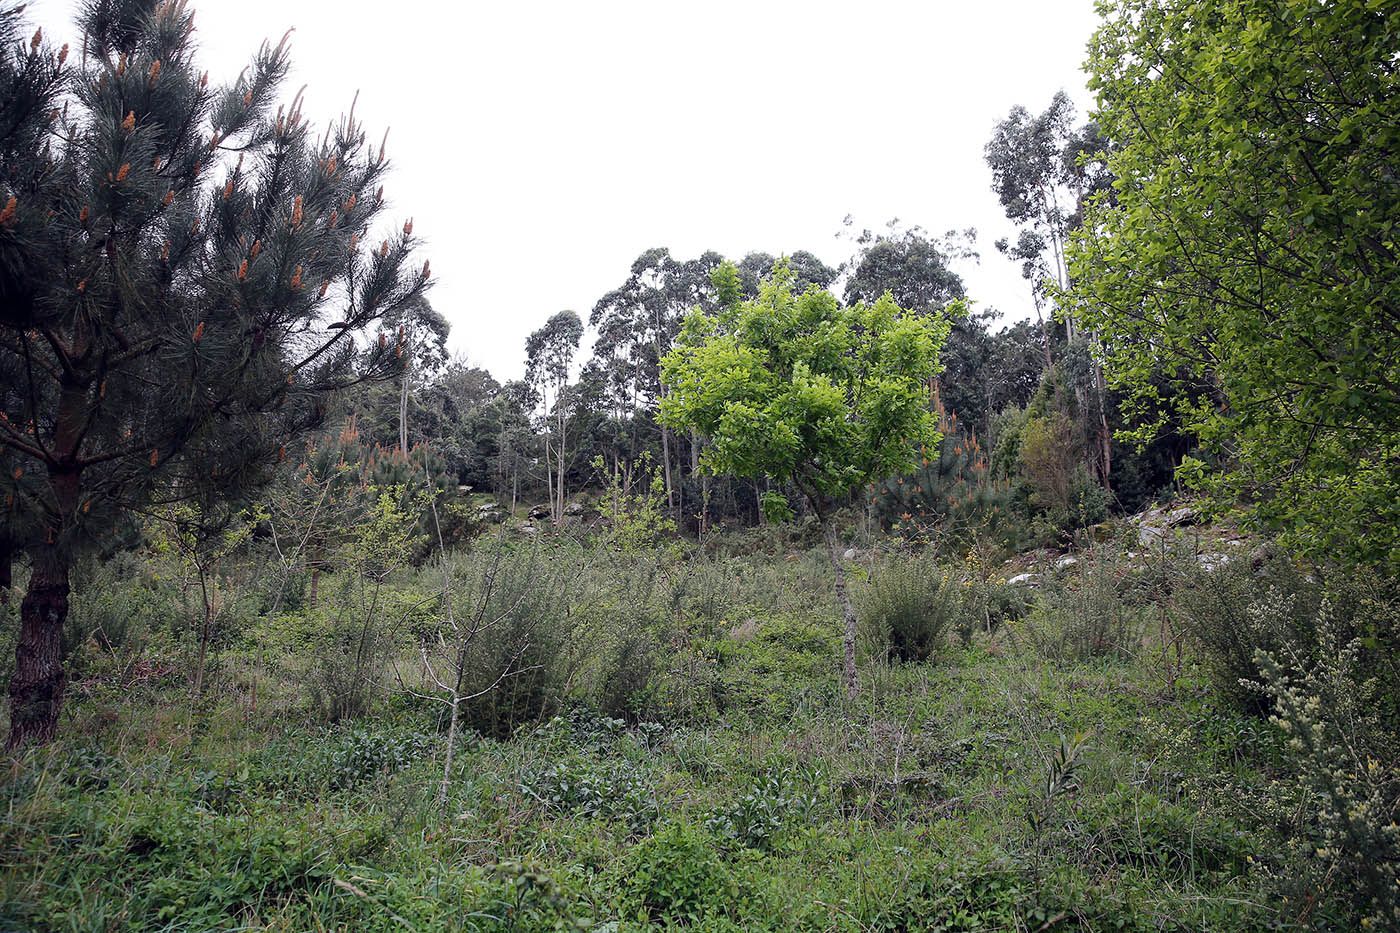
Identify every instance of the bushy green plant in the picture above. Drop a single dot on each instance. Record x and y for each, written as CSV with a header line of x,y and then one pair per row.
x,y
1087,617
909,606
1345,762
358,753
676,876
779,800
577,785
1223,614
514,626
350,657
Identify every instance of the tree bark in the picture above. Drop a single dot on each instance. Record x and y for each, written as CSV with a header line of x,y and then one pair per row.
x,y
848,611
36,687
7,571
403,411
666,468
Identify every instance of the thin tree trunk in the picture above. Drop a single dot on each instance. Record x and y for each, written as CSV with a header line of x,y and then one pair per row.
x,y
205,631
36,687
666,467
563,441
848,611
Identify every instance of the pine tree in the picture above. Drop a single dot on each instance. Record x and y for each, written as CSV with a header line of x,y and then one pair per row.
x,y
182,287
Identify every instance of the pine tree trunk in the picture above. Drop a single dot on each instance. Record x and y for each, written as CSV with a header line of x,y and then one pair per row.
x,y
7,571
36,687
403,412
205,632
848,611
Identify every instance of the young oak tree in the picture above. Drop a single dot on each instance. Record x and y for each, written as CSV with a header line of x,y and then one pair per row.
x,y
823,397
1245,277
182,287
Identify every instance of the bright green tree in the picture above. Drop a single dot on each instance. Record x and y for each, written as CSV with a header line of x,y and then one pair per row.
x,y
1250,253
798,388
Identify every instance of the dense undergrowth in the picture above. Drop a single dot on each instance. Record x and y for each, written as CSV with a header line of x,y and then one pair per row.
x,y
675,749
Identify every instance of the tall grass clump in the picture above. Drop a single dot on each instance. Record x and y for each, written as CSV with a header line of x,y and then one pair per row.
x,y
908,607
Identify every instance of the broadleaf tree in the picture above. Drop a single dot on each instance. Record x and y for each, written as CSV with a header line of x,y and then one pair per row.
x,y
822,397
1245,277
183,286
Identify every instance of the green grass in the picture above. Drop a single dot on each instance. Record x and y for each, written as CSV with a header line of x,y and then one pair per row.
x,y
777,804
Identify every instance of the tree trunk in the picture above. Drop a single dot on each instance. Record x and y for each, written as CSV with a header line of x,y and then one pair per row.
x,y
314,590
36,687
563,444
206,630
403,411
666,468
7,571
848,611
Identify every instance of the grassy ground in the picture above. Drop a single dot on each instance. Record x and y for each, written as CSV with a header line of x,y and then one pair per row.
x,y
1003,785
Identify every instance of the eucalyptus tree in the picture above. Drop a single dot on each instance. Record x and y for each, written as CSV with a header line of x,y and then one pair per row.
x,y
549,358
1045,170
184,282
636,325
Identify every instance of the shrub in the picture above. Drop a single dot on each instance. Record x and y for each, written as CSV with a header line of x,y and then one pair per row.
x,y
677,876
908,607
1345,762
619,790
358,753
514,616
627,679
1088,618
1224,614
778,801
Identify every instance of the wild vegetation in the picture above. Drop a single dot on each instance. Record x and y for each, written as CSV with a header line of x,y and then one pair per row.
x,y
807,598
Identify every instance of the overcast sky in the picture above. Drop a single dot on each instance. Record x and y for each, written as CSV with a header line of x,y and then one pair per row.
x,y
540,147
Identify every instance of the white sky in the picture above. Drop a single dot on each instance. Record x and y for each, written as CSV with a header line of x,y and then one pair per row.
x,y
540,147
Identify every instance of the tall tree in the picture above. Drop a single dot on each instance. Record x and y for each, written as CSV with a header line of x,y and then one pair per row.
x,y
182,286
1250,254
799,388
549,357
1044,171
636,324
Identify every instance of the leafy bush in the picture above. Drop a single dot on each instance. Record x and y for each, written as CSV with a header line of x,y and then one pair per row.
x,y
1086,618
676,876
778,801
513,627
616,790
909,606
358,753
1236,610
1346,764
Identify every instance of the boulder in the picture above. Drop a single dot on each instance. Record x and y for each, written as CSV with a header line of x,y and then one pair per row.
x,y
1212,561
573,509
1064,563
539,512
1180,518
1025,579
